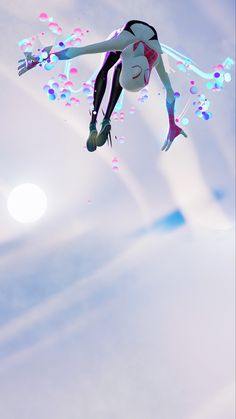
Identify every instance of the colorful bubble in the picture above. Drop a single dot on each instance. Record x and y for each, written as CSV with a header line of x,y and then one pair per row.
x,y
61,44
55,85
181,66
62,77
209,85
73,70
185,121
54,58
115,168
43,16
68,83
193,90
227,77
49,66
52,96
216,75
132,110
177,95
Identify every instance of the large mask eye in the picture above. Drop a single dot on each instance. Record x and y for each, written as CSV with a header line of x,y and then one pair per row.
x,y
146,76
136,71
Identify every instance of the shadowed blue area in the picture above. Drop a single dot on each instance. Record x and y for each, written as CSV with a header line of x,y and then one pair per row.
x,y
165,224
169,222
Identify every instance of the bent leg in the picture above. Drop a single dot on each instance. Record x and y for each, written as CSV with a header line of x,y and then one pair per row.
x,y
101,81
116,90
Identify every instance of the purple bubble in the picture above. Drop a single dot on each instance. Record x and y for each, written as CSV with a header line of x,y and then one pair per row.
x,y
216,75
177,94
51,91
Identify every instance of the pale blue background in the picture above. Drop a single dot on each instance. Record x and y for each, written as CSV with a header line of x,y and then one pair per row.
x,y
122,308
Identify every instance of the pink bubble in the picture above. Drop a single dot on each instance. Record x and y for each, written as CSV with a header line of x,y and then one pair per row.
x,y
77,30
62,77
192,82
68,83
177,120
73,70
53,26
114,160
115,168
43,16
115,116
59,30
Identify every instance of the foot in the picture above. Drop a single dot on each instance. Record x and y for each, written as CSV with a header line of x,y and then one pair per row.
x,y
103,135
91,141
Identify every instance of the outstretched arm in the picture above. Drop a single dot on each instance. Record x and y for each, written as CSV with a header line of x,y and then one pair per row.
x,y
114,44
174,130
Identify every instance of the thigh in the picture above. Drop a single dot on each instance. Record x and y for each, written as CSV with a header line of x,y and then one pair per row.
x,y
110,60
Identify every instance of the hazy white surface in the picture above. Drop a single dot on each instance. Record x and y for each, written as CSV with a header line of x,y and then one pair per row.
x,y
103,316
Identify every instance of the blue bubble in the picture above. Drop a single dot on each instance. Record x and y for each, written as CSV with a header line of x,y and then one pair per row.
x,y
185,121
193,90
52,97
209,85
205,116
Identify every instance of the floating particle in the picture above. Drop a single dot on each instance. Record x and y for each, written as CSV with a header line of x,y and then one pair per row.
x,y
68,83
192,82
54,58
132,110
49,66
62,77
121,140
46,88
44,54
181,66
122,116
90,99
43,16
206,115
209,85
193,90
77,30
51,91
61,44
227,77
52,96
185,121
216,75
58,31
53,27
73,70
177,94
198,113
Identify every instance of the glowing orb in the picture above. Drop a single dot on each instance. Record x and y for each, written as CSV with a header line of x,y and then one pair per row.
x,y
27,203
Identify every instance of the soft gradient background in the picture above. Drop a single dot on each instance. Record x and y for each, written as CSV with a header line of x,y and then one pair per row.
x,y
119,302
